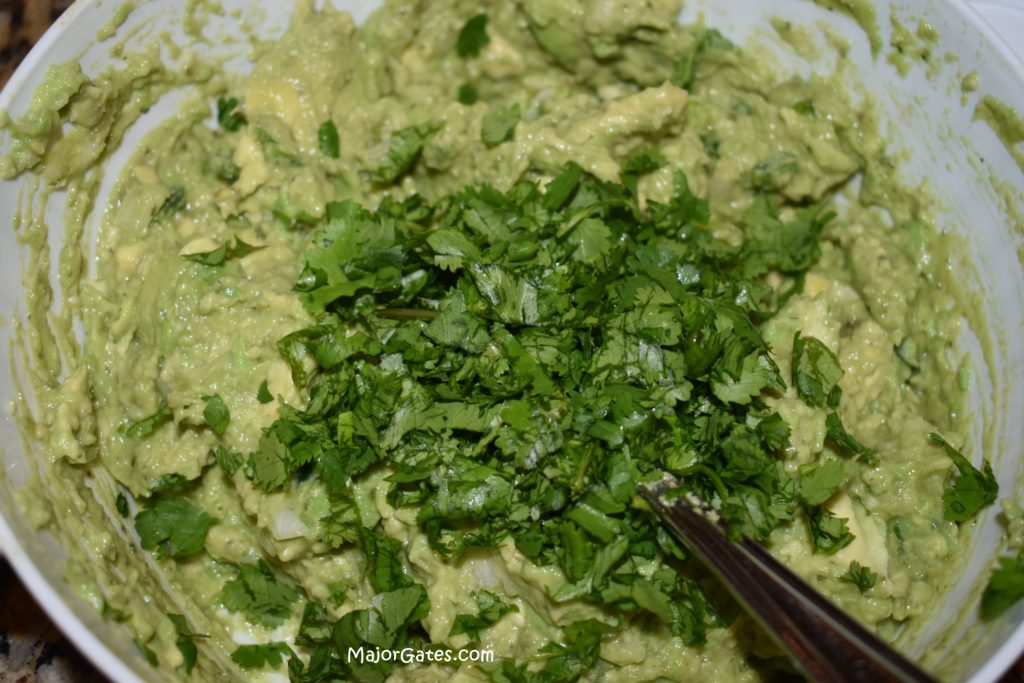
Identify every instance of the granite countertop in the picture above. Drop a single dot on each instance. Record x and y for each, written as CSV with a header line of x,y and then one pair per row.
x,y
32,649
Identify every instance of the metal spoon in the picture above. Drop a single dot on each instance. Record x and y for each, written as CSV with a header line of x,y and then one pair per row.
x,y
823,642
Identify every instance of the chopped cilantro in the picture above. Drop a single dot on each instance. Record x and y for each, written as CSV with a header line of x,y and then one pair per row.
x,y
473,37
216,414
225,252
837,434
330,143
228,115
490,609
174,203
148,425
467,94
819,482
816,372
860,576
121,504
174,526
685,72
500,125
263,395
259,594
404,149
146,652
1005,586
258,656
829,533
642,161
229,461
971,491
805,107
170,483
339,591
185,642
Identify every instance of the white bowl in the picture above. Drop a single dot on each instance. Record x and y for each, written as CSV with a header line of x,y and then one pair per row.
x,y
929,119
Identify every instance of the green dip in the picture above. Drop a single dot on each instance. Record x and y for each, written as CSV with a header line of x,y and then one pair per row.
x,y
593,84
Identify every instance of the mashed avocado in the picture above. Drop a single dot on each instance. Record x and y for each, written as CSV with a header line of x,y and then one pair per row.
x,y
172,412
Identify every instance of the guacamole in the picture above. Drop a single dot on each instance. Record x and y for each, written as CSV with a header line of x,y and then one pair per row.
x,y
254,522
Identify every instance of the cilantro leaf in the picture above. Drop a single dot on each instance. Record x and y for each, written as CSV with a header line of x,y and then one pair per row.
x,y
490,609
467,94
263,395
805,107
174,526
146,652
258,656
860,576
562,187
641,161
971,491
819,482
229,461
259,594
837,434
215,257
225,252
121,504
185,642
1005,586
829,533
473,37
384,568
284,447
174,203
330,142
170,483
148,425
216,414
404,150
500,125
568,662
228,114
816,372
592,239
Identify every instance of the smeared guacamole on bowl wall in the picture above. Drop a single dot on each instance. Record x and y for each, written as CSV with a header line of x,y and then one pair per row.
x,y
382,338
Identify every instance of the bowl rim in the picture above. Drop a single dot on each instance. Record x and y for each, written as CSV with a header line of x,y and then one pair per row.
x,y
99,653
46,596
1012,648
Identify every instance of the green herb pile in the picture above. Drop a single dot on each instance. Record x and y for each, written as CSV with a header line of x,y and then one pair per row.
x,y
520,361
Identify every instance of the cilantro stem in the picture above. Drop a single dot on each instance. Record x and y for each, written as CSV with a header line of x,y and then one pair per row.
x,y
582,474
716,481
406,314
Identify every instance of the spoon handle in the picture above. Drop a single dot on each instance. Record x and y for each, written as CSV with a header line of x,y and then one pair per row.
x,y
823,642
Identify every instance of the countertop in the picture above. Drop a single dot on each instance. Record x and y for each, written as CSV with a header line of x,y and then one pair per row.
x,y
32,649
